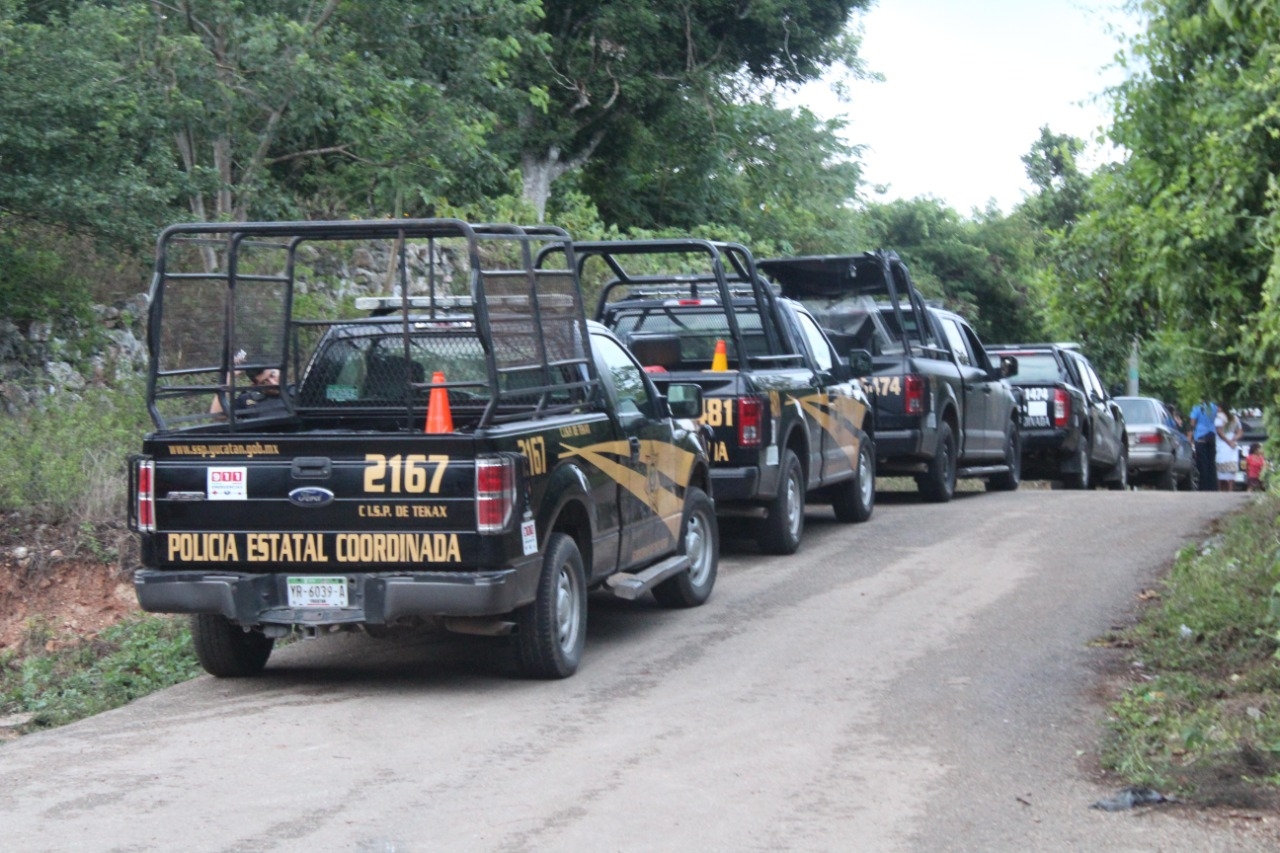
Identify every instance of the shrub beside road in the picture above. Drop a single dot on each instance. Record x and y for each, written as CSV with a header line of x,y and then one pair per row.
x,y
1201,718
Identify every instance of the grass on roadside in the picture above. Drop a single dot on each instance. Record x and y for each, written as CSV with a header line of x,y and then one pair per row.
x,y
129,660
1203,720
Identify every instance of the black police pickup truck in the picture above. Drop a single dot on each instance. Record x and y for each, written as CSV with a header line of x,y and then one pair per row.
x,y
474,458
1073,429
790,421
943,408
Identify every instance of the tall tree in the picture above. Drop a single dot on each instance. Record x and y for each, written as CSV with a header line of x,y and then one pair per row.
x,y
78,146
784,176
1182,242
607,61
257,93
240,109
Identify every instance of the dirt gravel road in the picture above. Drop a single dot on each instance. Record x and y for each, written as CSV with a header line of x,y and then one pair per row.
x,y
922,682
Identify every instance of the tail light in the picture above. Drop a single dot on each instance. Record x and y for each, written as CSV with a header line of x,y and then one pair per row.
x,y
1061,407
144,495
913,394
750,415
495,493
1149,438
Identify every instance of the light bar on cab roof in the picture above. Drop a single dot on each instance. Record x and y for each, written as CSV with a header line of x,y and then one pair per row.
x,y
391,303
514,301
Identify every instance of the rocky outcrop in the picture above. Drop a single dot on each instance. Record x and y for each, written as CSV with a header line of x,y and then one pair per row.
x,y
38,359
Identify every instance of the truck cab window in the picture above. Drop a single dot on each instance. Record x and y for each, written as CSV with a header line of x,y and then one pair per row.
x,y
956,338
621,373
817,342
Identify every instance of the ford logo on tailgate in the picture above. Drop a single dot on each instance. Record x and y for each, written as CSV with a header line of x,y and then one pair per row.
x,y
310,496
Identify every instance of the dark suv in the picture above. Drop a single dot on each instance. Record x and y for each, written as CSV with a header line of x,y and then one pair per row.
x,y
1072,429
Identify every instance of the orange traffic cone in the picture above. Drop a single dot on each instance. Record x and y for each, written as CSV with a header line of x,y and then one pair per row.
x,y
439,416
720,361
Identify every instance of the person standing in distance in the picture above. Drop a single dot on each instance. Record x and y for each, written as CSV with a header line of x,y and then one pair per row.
x,y
1204,433
1228,431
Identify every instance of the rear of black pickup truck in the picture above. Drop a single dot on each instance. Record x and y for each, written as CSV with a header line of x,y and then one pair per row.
x,y
473,461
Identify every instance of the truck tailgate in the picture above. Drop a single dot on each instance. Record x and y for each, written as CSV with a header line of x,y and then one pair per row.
x,y
340,500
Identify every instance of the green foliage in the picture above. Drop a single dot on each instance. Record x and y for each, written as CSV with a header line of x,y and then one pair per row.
x,y
1208,652
783,175
126,661
1176,242
613,67
35,286
64,460
979,268
91,162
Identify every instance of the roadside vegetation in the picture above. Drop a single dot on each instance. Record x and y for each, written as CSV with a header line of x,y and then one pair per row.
x,y
1202,718
62,461
50,685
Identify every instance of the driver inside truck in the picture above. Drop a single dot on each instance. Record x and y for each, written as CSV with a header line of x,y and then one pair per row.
x,y
261,398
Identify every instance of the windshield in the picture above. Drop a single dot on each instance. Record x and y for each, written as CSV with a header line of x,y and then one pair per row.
x,y
1138,411
1035,367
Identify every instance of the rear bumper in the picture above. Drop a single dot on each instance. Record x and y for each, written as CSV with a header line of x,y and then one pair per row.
x,y
1146,459
252,599
1049,441
900,451
735,484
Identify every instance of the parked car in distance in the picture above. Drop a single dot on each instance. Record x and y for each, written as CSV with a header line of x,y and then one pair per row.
x,y
1072,428
1160,454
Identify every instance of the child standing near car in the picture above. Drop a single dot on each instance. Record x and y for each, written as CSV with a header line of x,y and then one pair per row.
x,y
1254,464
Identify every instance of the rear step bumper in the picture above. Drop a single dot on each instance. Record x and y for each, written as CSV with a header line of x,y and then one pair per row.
x,y
253,599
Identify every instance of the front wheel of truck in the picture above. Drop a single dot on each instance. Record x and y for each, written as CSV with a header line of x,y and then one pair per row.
x,y
551,632
700,542
853,500
1009,480
225,649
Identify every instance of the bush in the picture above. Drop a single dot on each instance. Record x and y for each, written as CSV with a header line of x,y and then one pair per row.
x,y
1204,718
35,286
65,459
125,662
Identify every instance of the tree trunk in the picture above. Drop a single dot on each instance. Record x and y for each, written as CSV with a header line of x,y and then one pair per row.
x,y
540,169
537,172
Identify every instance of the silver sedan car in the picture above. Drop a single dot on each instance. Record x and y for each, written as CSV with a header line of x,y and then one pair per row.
x,y
1159,453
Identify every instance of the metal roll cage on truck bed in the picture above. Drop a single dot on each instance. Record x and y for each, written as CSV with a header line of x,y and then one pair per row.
x,y
789,422
456,447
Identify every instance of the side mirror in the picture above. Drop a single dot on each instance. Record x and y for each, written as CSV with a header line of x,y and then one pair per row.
x,y
860,363
684,401
1008,366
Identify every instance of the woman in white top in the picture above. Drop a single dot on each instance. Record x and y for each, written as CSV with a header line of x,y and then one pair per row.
x,y
1228,428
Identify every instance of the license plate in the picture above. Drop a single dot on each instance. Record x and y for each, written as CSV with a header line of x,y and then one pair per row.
x,y
1037,409
317,592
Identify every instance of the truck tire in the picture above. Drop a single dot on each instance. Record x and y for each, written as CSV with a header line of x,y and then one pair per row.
x,y
1118,479
783,527
1009,480
1082,479
551,632
853,500
700,542
938,485
225,649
